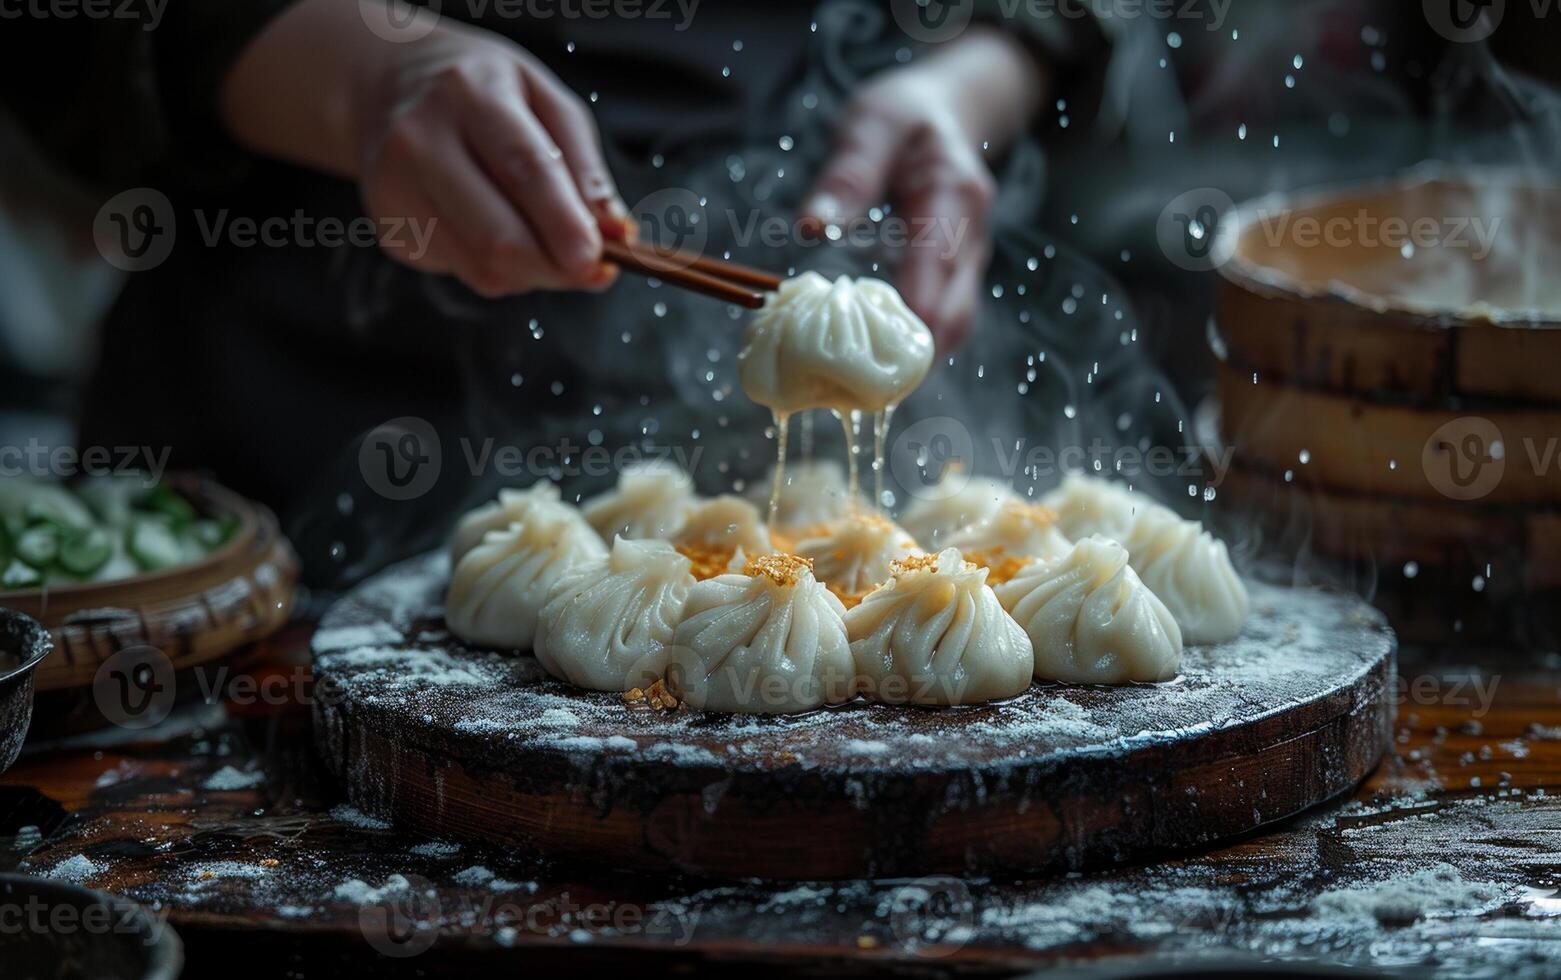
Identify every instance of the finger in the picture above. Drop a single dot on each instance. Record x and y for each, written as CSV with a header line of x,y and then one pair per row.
x,y
856,175
569,122
956,316
499,252
400,197
946,236
526,163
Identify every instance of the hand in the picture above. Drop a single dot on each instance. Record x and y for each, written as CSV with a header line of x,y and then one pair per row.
x,y
915,135
458,127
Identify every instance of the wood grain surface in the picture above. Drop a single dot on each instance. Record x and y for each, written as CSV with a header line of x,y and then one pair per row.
x,y
1442,863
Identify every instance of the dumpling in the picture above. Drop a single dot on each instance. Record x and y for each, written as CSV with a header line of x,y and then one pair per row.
x,y
499,586
651,500
847,345
935,634
1090,618
608,623
726,523
1015,535
851,554
719,528
767,641
511,507
812,492
1190,570
1088,505
955,501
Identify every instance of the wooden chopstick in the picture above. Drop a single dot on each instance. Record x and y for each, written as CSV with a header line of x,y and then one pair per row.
x,y
701,274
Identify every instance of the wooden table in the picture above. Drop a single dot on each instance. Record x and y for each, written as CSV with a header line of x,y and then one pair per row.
x,y
1449,857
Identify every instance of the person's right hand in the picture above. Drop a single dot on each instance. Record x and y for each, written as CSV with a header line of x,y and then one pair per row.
x,y
459,127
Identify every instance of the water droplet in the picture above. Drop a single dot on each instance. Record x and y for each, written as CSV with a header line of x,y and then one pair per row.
x,y
344,504
1411,569
786,143
1032,263
1305,456
1173,40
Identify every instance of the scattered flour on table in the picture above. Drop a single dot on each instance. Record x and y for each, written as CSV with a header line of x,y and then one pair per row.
x,y
1437,890
360,892
353,817
228,779
436,849
75,869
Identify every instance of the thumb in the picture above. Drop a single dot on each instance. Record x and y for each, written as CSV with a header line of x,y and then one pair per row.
x,y
856,175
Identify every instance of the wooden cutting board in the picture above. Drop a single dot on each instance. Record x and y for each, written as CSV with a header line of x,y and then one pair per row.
x,y
485,746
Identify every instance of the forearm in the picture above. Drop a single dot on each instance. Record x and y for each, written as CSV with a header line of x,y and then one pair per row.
x,y
294,92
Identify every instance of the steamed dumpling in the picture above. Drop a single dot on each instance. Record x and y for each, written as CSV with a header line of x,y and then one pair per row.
x,y
935,634
607,623
1088,505
955,501
851,554
846,345
498,587
767,641
1190,570
651,500
725,523
511,507
1018,531
812,492
1091,620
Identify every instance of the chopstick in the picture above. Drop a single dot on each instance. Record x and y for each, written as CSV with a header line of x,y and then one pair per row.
x,y
727,281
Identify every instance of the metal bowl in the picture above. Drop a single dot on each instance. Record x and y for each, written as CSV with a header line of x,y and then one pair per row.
x,y
23,644
61,931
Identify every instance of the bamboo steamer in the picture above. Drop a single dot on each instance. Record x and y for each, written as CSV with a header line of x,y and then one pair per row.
x,y
1390,373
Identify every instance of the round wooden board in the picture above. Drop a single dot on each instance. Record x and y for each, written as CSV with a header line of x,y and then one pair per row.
x,y
461,743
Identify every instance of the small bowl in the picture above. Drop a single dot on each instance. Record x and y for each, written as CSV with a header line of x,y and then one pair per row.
x,y
64,932
23,644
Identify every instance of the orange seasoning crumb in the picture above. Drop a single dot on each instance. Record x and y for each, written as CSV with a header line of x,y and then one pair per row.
x,y
706,561
781,569
848,599
1000,565
914,563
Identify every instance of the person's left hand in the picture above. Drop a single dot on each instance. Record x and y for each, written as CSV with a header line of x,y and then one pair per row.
x,y
915,136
